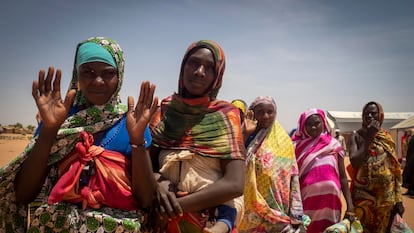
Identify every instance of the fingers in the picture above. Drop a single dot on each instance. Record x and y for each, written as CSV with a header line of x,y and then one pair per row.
x,y
44,83
41,81
142,95
35,92
70,97
130,102
146,97
56,84
48,82
154,106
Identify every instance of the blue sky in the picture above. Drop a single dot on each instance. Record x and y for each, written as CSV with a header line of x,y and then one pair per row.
x,y
335,55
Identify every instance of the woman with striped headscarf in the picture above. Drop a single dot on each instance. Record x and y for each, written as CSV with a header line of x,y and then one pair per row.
x,y
87,168
198,144
322,173
271,194
376,185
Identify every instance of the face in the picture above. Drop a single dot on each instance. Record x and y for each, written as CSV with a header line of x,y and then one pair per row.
x,y
98,82
198,73
314,126
265,115
369,114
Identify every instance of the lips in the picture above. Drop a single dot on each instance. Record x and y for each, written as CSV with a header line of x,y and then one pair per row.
x,y
197,83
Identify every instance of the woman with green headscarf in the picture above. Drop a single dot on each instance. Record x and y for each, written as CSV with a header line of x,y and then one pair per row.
x,y
87,168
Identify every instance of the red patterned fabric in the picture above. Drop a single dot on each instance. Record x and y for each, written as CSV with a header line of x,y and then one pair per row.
x,y
108,186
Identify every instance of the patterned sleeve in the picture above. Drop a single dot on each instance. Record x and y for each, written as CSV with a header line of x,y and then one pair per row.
x,y
296,208
398,180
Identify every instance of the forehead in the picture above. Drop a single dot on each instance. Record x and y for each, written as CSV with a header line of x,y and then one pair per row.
x,y
371,108
264,106
202,54
313,118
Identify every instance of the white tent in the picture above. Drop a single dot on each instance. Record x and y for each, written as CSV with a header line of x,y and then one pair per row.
x,y
405,124
397,132
394,122
349,121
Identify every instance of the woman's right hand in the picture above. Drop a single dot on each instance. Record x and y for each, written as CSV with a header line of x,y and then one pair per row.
x,y
52,109
250,123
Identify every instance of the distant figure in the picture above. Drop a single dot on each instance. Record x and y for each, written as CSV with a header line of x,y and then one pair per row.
x,y
408,173
376,185
322,173
272,193
405,139
340,139
242,106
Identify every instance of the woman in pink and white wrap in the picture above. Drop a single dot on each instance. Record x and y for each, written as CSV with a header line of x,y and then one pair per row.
x,y
322,172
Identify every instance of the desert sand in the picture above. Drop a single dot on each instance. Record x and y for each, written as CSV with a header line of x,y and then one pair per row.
x,y
12,145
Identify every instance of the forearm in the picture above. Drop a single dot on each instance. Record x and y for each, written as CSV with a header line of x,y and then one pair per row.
x,y
230,186
398,182
211,196
359,157
33,172
143,181
347,194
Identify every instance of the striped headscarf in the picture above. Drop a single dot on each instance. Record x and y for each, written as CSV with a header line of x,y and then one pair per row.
x,y
305,145
219,60
203,125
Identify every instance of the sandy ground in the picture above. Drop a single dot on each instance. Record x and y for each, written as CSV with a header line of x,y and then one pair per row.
x,y
12,145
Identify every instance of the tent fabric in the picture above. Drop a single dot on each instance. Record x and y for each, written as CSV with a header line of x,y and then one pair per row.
x,y
349,121
407,123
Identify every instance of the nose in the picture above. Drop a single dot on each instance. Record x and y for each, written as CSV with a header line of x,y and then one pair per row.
x,y
98,79
200,71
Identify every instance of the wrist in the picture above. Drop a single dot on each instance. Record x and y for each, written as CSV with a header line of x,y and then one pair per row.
x,y
138,145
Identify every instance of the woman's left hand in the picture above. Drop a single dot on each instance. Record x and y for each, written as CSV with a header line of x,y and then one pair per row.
x,y
139,117
166,204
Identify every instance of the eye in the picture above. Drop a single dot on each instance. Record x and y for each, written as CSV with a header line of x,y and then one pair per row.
x,y
109,74
192,63
87,73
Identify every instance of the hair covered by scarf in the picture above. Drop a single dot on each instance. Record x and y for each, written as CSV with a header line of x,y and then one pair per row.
x,y
380,111
203,125
263,132
13,216
306,145
301,130
219,60
263,100
94,118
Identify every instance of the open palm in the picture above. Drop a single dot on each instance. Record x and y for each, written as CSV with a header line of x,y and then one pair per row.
x,y
139,117
53,111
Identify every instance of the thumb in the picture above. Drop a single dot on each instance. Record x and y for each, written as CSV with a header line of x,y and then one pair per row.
x,y
70,98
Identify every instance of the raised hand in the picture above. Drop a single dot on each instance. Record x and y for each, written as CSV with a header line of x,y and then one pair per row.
x,y
139,117
52,109
373,127
250,123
